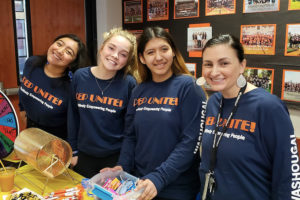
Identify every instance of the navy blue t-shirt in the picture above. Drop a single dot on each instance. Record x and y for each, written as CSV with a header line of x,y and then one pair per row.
x,y
44,99
257,157
162,126
96,121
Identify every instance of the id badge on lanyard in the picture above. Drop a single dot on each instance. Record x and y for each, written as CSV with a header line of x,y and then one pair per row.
x,y
209,186
210,180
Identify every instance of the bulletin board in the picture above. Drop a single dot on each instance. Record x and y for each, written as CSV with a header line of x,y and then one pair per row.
x,y
278,19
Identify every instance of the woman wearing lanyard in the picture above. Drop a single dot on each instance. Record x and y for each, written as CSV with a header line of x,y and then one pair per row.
x,y
248,147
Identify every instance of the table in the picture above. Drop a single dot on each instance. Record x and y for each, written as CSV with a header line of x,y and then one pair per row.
x,y
28,177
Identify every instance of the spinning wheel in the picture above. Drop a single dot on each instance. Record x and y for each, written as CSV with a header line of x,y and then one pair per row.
x,y
9,126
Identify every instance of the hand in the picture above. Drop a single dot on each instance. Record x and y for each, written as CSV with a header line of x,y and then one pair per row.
x,y
74,161
23,117
116,168
149,189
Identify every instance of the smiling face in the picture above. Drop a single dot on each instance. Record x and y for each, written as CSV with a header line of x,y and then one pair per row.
x,y
221,68
158,56
114,53
62,52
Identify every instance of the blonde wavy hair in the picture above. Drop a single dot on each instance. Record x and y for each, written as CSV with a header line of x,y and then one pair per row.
x,y
131,65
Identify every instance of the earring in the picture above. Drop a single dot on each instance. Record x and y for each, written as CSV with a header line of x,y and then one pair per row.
x,y
241,81
200,81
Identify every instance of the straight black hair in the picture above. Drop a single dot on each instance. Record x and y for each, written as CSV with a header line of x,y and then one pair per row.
x,y
81,60
178,66
227,39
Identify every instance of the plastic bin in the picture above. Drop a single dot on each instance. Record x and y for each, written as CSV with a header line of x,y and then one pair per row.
x,y
97,181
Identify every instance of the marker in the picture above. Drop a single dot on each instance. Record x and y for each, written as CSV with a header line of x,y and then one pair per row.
x,y
79,187
67,194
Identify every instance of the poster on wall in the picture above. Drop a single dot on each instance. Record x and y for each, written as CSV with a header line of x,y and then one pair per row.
x,y
186,9
258,39
294,5
133,12
291,85
219,7
292,40
157,10
260,77
197,36
252,6
192,67
136,33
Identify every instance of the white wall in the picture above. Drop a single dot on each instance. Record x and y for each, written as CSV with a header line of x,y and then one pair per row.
x,y
295,117
109,15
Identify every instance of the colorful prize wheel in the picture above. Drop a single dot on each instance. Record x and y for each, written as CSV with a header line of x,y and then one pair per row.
x,y
9,126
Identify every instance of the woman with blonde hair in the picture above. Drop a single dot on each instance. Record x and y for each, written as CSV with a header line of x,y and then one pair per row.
x,y
100,95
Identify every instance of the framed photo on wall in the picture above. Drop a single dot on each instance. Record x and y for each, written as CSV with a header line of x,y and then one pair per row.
x,y
186,9
217,7
292,40
133,11
294,5
197,36
260,77
291,85
258,38
253,6
192,67
157,10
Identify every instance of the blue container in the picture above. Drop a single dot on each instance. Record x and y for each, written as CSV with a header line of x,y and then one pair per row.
x,y
98,181
102,193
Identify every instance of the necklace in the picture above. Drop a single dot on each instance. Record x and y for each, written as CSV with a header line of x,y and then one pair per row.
x,y
102,91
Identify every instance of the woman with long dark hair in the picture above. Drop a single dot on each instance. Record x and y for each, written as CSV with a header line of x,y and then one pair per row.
x,y
45,86
162,122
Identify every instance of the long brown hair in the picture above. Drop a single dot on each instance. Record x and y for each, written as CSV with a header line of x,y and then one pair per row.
x,y
178,67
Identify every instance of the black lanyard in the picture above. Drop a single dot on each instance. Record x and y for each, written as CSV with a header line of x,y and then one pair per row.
x,y
217,140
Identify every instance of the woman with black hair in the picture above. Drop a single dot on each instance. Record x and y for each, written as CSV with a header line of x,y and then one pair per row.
x,y
162,122
44,91
249,148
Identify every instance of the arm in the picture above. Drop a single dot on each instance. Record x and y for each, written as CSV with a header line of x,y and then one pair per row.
x,y
126,159
23,117
280,142
73,122
182,156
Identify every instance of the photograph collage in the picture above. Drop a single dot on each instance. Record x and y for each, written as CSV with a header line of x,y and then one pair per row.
x,y
257,39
